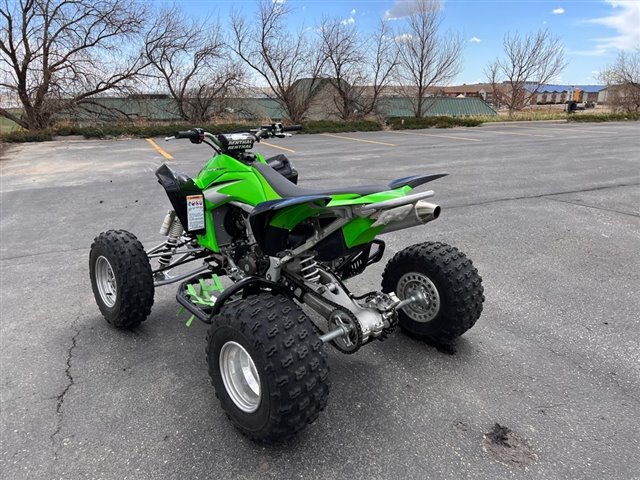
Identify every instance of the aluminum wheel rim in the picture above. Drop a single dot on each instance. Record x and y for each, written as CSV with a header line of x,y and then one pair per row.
x,y
240,377
106,282
413,282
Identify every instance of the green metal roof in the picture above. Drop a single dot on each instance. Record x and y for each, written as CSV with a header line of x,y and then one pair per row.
x,y
437,106
164,109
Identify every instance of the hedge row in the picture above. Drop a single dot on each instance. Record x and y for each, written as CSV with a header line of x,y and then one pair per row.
x,y
401,123
164,130
144,131
329,126
604,117
322,126
19,136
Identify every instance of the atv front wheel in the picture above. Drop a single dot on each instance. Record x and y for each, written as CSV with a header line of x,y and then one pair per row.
x,y
447,279
267,366
121,278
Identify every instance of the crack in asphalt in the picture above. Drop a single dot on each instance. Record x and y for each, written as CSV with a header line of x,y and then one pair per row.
x,y
43,253
595,207
544,195
61,397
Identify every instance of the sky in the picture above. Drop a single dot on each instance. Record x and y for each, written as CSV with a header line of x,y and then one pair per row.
x,y
593,32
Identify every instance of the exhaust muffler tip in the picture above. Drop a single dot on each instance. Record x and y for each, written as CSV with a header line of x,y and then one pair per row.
x,y
426,211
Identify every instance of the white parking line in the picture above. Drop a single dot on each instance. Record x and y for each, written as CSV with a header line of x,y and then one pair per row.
x,y
499,132
466,139
342,137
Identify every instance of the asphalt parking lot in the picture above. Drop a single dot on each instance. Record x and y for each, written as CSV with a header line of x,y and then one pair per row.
x,y
549,213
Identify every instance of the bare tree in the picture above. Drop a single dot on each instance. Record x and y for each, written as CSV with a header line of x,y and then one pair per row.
x,y
427,57
288,63
344,65
623,82
351,63
191,59
57,54
530,62
383,61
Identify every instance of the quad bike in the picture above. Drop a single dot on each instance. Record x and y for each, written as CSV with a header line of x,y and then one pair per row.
x,y
279,246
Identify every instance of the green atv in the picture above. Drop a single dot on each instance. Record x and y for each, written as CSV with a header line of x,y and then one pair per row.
x,y
279,246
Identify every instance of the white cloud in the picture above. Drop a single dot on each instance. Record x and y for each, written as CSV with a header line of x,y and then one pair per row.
x,y
278,1
596,52
348,21
401,8
353,12
405,37
475,40
625,20
558,11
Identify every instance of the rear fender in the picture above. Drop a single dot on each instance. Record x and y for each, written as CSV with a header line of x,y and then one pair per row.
x,y
272,238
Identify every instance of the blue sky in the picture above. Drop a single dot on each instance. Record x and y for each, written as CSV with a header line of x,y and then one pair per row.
x,y
593,32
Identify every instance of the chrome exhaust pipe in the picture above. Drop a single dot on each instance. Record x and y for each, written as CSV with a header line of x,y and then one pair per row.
x,y
402,217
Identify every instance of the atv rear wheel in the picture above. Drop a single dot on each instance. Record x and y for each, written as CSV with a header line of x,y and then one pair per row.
x,y
267,366
447,279
121,278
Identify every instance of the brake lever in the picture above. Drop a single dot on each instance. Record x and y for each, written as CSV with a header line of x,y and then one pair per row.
x,y
166,139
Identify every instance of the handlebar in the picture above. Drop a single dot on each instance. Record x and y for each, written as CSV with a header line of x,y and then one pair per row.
x,y
190,134
198,135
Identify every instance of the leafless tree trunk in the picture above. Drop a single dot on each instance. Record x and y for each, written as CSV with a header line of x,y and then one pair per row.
x,y
427,57
58,53
530,62
289,64
623,82
352,64
191,59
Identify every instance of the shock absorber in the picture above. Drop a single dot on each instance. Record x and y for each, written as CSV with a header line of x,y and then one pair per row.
x,y
174,230
309,270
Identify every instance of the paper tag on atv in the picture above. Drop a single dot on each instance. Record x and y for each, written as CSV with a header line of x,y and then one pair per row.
x,y
195,212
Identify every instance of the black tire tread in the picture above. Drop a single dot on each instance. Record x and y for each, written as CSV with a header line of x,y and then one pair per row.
x,y
135,280
291,355
456,272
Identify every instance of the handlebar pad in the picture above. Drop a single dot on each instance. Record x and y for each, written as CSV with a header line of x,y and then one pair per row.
x,y
292,128
190,134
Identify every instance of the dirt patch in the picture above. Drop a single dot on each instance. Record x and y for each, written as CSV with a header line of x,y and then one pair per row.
x,y
507,447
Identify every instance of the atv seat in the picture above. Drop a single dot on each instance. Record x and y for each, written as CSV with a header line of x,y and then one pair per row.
x,y
287,189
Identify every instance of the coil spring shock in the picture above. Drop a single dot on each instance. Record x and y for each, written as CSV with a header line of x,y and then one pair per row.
x,y
309,270
173,236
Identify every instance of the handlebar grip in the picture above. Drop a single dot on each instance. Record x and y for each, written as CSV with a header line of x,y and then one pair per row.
x,y
292,128
190,134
